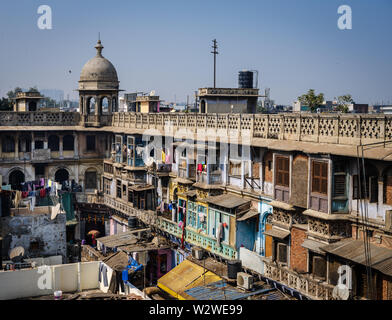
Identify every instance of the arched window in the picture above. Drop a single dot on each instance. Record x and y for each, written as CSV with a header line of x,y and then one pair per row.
x,y
61,175
53,143
92,106
15,179
68,143
32,106
114,105
90,178
8,144
105,105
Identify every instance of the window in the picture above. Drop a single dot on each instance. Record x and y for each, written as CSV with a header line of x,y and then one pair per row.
x,y
38,144
319,267
90,143
118,189
130,196
40,170
320,177
369,188
53,143
282,171
235,168
339,179
68,143
202,218
91,180
281,249
8,144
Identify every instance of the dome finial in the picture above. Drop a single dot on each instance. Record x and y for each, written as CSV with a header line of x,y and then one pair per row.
x,y
99,46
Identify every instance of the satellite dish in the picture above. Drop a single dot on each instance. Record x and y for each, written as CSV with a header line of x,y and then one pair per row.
x,y
340,293
152,93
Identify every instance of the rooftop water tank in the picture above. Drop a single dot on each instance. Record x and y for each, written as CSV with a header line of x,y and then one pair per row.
x,y
245,79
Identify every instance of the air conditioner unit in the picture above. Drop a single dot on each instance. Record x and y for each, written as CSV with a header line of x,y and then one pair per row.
x,y
197,253
244,280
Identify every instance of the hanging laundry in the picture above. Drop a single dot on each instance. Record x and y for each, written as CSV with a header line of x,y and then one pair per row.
x,y
18,197
219,233
199,167
41,182
163,156
42,193
25,194
6,187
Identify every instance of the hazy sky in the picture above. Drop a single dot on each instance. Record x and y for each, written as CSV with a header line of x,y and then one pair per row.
x,y
165,45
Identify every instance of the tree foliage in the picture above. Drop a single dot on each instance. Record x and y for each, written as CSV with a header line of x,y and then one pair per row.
x,y
312,100
343,102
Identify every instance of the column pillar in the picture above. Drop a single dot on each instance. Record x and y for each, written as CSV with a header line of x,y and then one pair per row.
x,y
96,111
76,145
32,145
242,175
61,147
46,140
17,146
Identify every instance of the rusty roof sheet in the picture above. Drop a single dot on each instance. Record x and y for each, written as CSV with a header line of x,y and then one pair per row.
x,y
117,261
381,258
227,200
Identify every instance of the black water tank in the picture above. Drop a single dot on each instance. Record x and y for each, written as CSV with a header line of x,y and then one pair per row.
x,y
132,222
245,79
233,267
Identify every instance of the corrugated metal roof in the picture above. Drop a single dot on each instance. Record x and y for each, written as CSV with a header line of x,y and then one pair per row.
x,y
221,291
185,276
313,246
117,261
120,239
381,258
227,200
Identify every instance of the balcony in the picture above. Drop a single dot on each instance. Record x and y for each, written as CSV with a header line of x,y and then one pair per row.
x,y
304,284
41,155
197,239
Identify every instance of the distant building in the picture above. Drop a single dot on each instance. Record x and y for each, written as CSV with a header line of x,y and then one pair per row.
x,y
27,101
228,100
358,108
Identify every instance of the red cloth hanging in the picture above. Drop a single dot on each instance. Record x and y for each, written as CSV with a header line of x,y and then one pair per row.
x,y
199,167
42,193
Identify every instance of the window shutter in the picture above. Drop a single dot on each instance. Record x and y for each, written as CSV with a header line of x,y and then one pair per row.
x,y
319,267
282,253
373,189
339,185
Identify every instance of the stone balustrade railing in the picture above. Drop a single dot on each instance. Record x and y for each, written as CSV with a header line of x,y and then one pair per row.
x,y
304,284
38,118
347,129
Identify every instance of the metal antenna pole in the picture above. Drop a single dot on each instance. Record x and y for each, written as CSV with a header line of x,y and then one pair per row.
x,y
215,52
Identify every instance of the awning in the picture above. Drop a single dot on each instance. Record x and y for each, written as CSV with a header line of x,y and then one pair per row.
x,y
353,250
226,200
282,205
250,214
185,276
313,245
276,233
190,193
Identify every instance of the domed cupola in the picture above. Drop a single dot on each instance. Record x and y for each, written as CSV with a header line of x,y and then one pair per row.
x,y
98,89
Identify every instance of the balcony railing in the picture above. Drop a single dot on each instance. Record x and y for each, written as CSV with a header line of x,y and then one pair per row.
x,y
302,283
39,118
347,129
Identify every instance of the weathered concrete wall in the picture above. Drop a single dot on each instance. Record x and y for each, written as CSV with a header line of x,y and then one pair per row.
x,y
30,228
25,283
251,260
